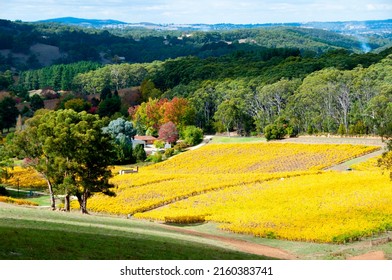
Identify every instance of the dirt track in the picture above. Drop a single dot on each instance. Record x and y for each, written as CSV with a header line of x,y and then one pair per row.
x,y
240,245
377,255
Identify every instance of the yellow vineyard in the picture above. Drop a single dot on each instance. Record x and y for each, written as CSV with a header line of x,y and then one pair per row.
x,y
216,167
328,207
259,158
26,178
275,190
17,201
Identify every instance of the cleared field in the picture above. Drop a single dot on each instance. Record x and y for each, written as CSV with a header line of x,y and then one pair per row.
x,y
216,167
328,207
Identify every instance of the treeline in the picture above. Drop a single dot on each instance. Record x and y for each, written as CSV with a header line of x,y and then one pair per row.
x,y
269,65
354,102
337,92
58,77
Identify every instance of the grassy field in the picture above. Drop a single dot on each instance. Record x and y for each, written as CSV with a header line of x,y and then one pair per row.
x,y
41,200
236,139
35,234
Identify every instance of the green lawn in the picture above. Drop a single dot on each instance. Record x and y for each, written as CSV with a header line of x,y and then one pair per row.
x,y
41,200
40,234
236,139
36,234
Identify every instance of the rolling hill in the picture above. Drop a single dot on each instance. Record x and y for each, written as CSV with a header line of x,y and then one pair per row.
x,y
23,45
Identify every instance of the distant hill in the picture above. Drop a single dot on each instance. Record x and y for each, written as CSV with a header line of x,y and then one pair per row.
x,y
26,46
379,27
93,23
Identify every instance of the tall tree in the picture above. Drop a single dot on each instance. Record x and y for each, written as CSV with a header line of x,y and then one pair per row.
x,y
178,111
70,150
122,133
8,113
36,102
28,144
227,114
92,155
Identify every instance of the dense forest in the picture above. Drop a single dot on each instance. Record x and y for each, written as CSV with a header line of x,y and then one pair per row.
x,y
25,46
274,81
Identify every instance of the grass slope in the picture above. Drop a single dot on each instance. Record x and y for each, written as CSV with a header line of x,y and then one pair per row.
x,y
34,234
236,139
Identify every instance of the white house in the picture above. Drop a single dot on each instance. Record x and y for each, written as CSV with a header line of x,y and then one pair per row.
x,y
135,142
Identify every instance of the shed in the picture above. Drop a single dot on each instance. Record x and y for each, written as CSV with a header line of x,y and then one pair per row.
x,y
149,140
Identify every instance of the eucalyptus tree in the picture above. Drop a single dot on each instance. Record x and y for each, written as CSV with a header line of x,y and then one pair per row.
x,y
268,102
227,113
70,150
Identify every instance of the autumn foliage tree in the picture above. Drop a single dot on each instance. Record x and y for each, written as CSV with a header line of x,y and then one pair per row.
x,y
168,132
178,111
153,114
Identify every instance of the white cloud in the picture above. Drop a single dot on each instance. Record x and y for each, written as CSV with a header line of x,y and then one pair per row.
x,y
201,11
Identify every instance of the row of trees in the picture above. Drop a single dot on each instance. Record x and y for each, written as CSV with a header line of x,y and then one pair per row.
x,y
331,100
57,77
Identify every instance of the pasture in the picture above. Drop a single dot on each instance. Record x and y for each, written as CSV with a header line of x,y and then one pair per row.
x,y
37,234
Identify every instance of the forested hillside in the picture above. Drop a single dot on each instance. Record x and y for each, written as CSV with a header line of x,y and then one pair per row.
x,y
273,81
26,46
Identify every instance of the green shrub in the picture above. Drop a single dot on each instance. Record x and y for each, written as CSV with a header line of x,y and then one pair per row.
x,y
157,157
274,132
169,152
279,129
180,146
3,191
341,130
139,153
192,135
357,129
159,144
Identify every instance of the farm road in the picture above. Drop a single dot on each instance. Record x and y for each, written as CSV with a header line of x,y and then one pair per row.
x,y
241,245
345,165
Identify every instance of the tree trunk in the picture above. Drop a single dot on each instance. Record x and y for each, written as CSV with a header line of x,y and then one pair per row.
x,y
52,200
82,198
67,205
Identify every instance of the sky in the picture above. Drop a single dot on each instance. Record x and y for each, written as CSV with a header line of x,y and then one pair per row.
x,y
200,11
